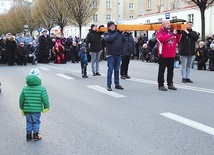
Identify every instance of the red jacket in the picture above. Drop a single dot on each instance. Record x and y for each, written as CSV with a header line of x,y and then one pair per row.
x,y
167,43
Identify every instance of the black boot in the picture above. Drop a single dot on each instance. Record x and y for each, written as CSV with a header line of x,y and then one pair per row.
x,y
29,137
37,136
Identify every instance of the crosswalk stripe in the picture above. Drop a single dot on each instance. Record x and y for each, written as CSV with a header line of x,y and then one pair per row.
x,y
190,123
43,68
205,90
65,76
104,91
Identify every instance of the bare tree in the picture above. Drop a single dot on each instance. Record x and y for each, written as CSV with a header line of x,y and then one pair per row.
x,y
203,5
3,24
81,11
40,16
56,11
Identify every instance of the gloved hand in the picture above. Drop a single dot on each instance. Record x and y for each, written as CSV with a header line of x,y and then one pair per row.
x,y
45,110
22,112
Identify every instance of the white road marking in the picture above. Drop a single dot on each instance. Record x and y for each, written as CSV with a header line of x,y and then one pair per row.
x,y
205,90
190,123
104,91
65,76
43,68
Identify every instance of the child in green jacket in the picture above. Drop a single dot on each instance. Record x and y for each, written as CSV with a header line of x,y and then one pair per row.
x,y
33,100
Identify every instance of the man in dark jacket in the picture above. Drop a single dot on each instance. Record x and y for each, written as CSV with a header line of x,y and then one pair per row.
x,y
94,39
44,47
129,49
187,51
22,54
10,49
114,48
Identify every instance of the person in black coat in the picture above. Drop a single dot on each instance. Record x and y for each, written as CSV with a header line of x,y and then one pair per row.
x,y
74,52
2,50
211,56
44,47
22,54
209,41
201,56
187,51
94,40
129,49
114,49
10,49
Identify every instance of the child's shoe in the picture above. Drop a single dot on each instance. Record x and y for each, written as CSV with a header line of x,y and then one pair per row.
x,y
37,136
29,137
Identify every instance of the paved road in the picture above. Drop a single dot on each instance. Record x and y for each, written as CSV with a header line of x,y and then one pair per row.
x,y
85,119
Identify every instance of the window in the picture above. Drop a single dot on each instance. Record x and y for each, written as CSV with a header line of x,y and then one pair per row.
x,y
160,19
174,17
95,5
108,4
147,21
95,17
148,4
131,16
190,18
2,4
131,6
108,17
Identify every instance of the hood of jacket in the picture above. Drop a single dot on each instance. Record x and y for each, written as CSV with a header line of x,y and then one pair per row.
x,y
32,80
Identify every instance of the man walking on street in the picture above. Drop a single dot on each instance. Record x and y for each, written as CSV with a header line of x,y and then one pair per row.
x,y
187,51
114,48
166,52
94,39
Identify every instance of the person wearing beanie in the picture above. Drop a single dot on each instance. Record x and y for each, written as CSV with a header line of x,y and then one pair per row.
x,y
32,101
187,51
93,43
45,43
114,49
211,56
83,62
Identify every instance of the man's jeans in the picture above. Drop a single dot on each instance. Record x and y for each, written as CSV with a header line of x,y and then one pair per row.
x,y
113,63
186,64
33,122
95,58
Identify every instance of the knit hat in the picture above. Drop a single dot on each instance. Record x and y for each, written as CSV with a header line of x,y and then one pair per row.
x,y
35,72
110,23
212,46
93,25
82,49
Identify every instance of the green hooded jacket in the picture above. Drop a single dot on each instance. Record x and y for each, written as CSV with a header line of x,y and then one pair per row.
x,y
34,97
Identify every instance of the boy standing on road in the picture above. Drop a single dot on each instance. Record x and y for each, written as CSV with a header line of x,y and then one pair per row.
x,y
33,100
83,62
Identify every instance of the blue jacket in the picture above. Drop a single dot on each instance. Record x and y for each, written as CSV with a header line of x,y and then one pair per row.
x,y
83,57
114,42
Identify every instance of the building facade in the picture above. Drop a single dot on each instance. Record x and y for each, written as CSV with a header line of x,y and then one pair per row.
x,y
147,11
151,11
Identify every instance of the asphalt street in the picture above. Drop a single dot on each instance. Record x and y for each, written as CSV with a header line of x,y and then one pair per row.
x,y
86,119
